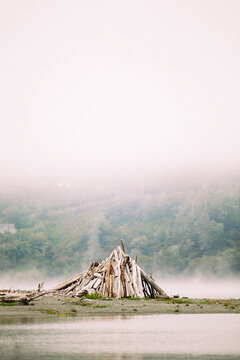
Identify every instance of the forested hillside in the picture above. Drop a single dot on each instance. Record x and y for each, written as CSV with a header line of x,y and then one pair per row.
x,y
172,229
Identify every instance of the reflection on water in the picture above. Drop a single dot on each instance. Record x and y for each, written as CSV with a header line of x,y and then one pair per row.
x,y
209,336
25,320
106,356
21,320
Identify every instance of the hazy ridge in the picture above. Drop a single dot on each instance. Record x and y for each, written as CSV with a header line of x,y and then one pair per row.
x,y
173,229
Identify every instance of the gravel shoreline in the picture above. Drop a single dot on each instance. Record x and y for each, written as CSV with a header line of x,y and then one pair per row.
x,y
52,308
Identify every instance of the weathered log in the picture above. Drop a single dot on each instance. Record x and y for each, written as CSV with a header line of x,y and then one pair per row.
x,y
152,283
134,278
21,298
70,281
107,279
97,283
123,281
40,286
97,275
139,282
129,281
88,286
70,288
118,294
123,247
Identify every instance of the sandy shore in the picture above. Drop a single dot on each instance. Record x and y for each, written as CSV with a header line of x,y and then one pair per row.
x,y
52,307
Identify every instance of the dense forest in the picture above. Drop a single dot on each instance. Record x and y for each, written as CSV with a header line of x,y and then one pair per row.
x,y
173,229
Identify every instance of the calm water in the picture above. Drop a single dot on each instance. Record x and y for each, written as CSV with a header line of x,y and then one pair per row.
x,y
176,336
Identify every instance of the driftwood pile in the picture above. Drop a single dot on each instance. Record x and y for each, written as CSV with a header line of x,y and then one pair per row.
x,y
19,296
116,277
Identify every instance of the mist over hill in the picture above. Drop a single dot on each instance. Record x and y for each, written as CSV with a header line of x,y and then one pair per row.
x,y
174,227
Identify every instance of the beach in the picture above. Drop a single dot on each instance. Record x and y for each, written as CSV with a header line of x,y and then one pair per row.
x,y
54,307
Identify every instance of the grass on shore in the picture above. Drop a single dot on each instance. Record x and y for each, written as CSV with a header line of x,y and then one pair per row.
x,y
49,311
9,303
175,301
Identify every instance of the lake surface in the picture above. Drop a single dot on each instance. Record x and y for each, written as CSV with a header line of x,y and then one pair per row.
x,y
175,336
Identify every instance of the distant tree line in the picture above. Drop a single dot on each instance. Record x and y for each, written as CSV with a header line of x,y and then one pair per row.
x,y
196,229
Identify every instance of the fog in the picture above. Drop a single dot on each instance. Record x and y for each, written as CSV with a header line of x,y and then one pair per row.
x,y
200,287
123,96
192,287
111,88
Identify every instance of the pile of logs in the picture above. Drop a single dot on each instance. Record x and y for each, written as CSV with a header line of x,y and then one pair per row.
x,y
117,276
18,296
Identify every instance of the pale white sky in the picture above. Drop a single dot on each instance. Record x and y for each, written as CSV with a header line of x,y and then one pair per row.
x,y
89,86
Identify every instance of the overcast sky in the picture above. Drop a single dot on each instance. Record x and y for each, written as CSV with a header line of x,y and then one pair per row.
x,y
100,86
